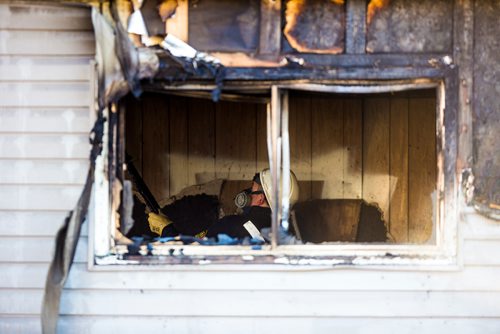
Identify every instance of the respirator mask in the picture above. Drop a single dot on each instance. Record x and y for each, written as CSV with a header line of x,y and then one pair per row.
x,y
243,199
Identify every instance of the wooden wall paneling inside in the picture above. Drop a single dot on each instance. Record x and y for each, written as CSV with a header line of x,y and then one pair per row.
x,y
156,164
398,216
261,135
422,167
378,148
201,139
133,130
179,173
299,128
236,144
376,153
327,147
353,148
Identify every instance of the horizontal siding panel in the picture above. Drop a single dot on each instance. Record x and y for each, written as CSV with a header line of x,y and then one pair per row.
x,y
24,302
23,275
278,325
71,146
38,197
43,171
258,303
50,120
477,279
281,303
20,324
481,252
44,68
33,42
48,94
254,325
471,279
33,223
47,17
476,226
35,249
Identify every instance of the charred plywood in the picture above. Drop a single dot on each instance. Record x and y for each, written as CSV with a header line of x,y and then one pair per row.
x,y
224,25
486,104
409,26
315,26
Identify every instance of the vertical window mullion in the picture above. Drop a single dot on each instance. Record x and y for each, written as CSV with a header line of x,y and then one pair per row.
x,y
285,147
275,162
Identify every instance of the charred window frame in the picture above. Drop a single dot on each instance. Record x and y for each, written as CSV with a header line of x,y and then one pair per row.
x,y
444,252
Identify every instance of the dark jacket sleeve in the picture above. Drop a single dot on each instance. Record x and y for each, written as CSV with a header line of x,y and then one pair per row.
x,y
233,225
230,225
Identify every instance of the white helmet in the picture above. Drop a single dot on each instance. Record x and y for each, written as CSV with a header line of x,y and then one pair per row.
x,y
266,181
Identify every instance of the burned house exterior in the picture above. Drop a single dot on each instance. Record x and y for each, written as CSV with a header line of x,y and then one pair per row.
x,y
386,111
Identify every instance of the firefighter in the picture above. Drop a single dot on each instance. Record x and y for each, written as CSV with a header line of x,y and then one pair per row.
x,y
255,203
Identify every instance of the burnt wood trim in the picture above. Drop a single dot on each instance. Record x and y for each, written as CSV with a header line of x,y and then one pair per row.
x,y
450,149
355,28
320,67
329,73
463,50
270,29
372,60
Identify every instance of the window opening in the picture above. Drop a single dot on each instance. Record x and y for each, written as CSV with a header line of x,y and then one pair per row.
x,y
365,162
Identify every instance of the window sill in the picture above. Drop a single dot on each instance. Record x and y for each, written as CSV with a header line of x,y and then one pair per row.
x,y
302,257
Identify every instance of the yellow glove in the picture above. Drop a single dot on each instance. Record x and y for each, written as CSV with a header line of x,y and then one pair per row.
x,y
157,223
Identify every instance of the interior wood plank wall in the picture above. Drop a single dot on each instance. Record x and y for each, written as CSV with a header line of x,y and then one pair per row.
x,y
299,128
352,149
327,147
201,141
179,177
422,174
156,145
194,141
380,148
376,148
398,215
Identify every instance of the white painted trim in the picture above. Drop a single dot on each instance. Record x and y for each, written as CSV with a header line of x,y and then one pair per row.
x,y
93,92
101,214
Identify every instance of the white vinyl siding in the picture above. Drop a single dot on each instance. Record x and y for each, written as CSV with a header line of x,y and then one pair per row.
x,y
45,54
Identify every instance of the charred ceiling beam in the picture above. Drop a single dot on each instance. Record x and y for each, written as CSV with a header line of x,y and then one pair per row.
x,y
324,73
351,67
